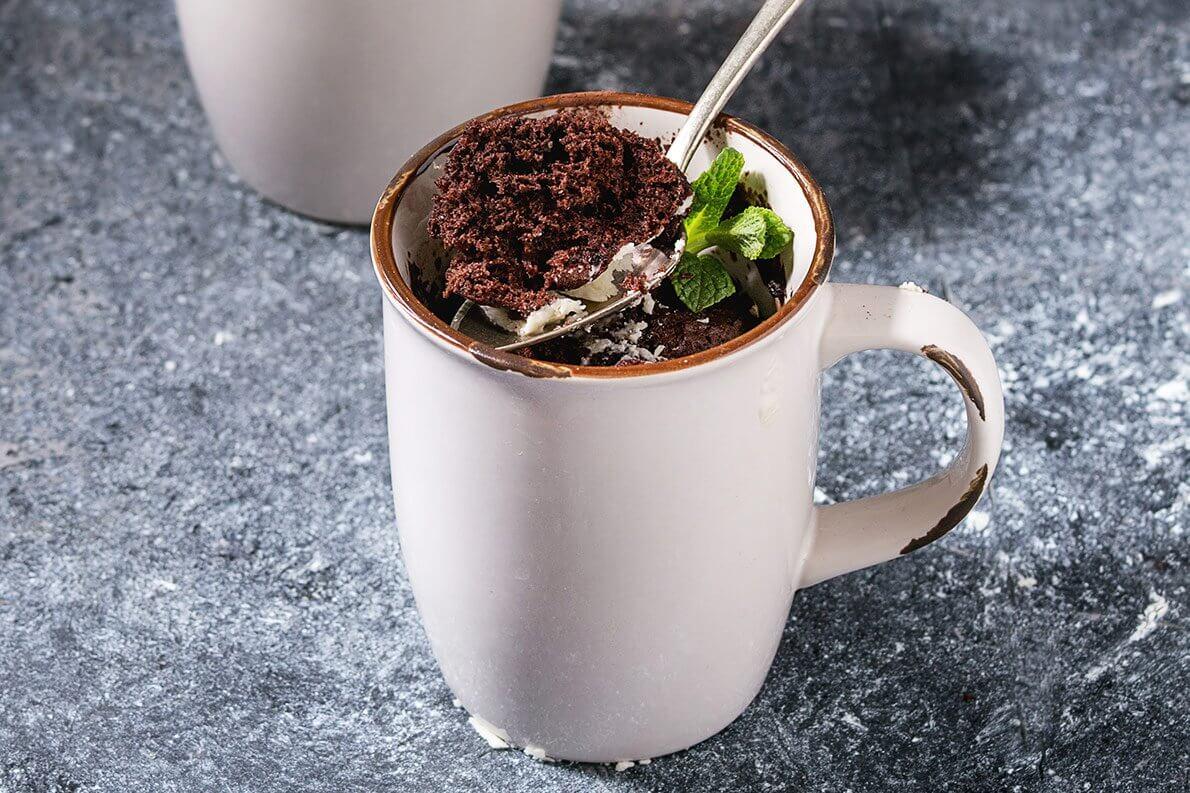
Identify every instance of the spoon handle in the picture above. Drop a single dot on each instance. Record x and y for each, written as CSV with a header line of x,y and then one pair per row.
x,y
768,21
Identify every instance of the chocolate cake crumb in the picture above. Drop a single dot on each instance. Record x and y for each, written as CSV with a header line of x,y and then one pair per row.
x,y
528,205
669,331
684,333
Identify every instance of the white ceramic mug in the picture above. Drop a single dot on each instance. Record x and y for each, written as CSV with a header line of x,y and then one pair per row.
x,y
604,558
315,102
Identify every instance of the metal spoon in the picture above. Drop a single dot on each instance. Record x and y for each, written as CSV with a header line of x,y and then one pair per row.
x,y
768,21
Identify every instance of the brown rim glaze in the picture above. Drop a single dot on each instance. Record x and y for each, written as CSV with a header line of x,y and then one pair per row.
x,y
954,516
384,258
961,374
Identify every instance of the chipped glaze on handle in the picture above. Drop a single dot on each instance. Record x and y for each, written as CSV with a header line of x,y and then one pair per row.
x,y
856,534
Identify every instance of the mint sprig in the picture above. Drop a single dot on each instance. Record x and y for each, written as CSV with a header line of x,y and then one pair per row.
x,y
744,234
701,281
712,192
777,237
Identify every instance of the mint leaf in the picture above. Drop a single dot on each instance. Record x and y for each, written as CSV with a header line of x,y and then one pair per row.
x,y
701,281
744,234
712,191
777,234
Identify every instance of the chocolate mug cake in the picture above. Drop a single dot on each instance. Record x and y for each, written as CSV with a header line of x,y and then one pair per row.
x,y
535,212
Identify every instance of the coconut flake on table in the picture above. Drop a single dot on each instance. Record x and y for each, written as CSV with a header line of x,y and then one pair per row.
x,y
495,737
538,753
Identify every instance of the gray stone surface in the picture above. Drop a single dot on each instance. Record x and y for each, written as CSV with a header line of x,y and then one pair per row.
x,y
200,586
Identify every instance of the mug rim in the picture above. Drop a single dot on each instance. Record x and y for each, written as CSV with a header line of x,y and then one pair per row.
x,y
396,289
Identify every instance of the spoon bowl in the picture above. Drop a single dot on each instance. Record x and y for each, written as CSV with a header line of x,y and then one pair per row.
x,y
648,270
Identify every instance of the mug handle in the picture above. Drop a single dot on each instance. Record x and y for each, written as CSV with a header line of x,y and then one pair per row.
x,y
855,534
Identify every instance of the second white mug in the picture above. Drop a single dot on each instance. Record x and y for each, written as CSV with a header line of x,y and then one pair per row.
x,y
316,103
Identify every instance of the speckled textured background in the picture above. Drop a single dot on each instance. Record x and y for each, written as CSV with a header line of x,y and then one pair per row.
x,y
200,586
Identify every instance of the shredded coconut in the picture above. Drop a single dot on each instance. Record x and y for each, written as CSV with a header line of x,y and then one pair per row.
x,y
1173,391
561,310
554,313
978,520
1158,607
538,754
496,737
618,337
1167,298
